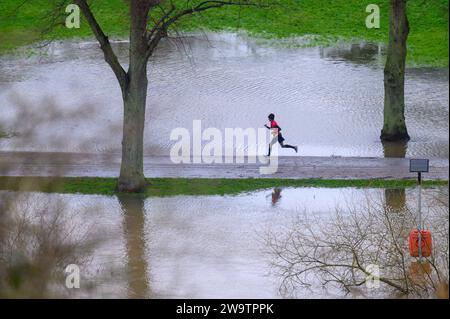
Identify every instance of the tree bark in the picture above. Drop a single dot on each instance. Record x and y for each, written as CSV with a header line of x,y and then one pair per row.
x,y
131,177
394,127
134,94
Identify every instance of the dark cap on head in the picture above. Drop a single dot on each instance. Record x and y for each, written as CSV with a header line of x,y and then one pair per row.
x,y
271,116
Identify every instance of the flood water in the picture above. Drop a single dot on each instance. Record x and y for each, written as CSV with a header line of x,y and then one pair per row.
x,y
207,246
329,101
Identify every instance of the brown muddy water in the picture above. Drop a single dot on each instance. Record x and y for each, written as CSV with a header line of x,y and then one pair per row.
x,y
329,101
207,246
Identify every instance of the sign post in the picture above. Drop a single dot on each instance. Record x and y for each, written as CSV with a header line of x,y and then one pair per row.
x,y
419,166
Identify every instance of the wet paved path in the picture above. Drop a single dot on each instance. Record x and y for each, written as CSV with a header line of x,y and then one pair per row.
x,y
107,165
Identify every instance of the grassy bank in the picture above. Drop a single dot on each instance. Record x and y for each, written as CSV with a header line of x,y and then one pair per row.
x,y
428,41
195,186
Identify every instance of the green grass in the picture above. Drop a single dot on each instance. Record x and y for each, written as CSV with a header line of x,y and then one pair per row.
x,y
331,20
196,186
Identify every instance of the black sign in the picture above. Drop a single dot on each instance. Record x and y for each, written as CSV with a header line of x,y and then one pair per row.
x,y
419,165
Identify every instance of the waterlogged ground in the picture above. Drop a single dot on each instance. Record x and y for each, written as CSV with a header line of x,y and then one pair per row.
x,y
329,101
206,246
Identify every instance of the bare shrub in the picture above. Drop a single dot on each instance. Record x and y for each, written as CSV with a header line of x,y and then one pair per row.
x,y
335,252
38,239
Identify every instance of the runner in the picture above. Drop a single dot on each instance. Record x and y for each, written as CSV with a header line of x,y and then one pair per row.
x,y
277,137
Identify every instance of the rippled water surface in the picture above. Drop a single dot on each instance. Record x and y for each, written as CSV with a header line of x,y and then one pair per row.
x,y
207,246
329,101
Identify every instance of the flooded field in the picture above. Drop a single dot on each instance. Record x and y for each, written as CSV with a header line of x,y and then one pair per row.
x,y
329,101
203,246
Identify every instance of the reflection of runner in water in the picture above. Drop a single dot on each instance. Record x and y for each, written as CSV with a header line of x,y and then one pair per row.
x,y
276,195
277,137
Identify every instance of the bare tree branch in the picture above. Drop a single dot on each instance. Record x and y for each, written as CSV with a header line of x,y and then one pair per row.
x,y
110,56
168,18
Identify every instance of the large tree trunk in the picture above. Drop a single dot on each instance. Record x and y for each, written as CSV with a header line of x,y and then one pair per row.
x,y
134,94
131,177
394,127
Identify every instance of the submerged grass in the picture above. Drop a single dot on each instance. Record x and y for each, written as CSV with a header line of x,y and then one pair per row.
x,y
329,20
161,187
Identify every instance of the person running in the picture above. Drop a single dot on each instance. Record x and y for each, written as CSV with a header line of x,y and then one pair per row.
x,y
277,137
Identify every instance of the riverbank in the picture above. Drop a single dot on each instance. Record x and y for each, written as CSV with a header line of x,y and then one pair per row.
x,y
328,23
162,187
